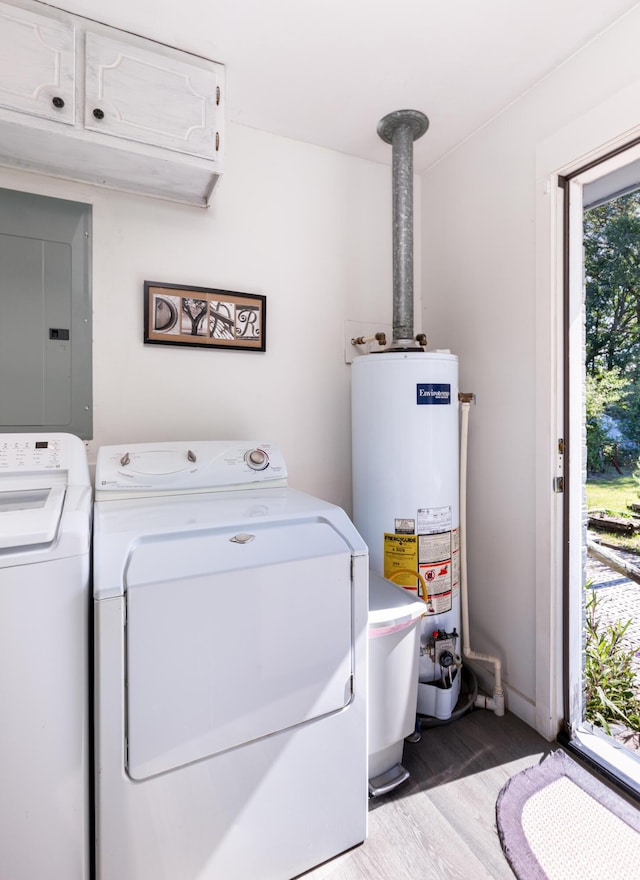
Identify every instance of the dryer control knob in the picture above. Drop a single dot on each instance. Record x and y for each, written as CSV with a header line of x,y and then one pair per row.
x,y
257,459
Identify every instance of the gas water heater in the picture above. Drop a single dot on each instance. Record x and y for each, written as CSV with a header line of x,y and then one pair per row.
x,y
405,429
406,460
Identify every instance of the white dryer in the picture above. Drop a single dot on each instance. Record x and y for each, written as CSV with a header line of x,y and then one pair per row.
x,y
231,674
45,531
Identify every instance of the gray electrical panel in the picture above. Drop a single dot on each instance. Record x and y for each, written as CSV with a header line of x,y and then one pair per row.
x,y
45,315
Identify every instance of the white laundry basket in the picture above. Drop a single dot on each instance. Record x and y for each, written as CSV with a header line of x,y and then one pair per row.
x,y
394,651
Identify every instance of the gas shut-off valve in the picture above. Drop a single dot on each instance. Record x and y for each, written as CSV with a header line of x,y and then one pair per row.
x,y
441,648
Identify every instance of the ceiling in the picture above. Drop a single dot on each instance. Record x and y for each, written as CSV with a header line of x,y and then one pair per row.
x,y
326,72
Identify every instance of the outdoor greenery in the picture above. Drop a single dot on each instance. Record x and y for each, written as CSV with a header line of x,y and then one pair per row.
x,y
612,493
612,389
609,675
612,357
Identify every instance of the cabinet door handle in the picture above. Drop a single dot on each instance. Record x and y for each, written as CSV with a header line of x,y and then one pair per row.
x,y
58,102
98,113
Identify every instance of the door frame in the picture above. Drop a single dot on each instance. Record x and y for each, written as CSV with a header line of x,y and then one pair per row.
x,y
582,139
565,163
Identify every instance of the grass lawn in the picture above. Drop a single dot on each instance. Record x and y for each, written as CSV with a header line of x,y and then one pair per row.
x,y
613,493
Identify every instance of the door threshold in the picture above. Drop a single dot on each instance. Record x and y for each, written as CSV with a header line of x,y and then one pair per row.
x,y
605,755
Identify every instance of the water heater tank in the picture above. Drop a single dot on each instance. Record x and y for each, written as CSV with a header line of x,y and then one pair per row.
x,y
406,497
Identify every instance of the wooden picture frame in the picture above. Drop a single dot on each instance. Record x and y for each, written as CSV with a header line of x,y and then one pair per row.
x,y
205,317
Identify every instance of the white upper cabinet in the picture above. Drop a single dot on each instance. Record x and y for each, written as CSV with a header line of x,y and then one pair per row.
x,y
135,93
149,118
37,64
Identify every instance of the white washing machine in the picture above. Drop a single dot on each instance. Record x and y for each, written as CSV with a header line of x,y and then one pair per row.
x,y
45,531
231,671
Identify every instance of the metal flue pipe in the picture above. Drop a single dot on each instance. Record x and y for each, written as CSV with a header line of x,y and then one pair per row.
x,y
401,129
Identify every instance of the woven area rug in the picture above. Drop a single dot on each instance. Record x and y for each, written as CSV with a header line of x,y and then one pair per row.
x,y
557,821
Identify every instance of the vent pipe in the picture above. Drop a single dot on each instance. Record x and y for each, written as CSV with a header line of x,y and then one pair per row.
x,y
401,129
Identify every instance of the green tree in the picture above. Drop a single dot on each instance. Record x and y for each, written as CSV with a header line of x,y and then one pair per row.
x,y
612,284
612,356
602,392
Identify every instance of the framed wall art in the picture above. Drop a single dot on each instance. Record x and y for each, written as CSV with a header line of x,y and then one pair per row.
x,y
177,314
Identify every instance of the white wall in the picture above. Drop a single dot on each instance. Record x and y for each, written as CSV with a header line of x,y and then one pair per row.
x,y
489,294
311,229
307,227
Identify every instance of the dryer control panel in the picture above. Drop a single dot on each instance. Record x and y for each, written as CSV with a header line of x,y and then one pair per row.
x,y
178,467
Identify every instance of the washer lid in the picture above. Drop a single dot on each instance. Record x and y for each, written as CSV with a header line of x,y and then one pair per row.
x,y
30,509
122,525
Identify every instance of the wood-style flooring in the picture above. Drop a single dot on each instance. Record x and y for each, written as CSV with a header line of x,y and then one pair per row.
x,y
440,824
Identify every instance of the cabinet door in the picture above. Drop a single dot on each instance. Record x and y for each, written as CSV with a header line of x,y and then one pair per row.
x,y
36,64
142,95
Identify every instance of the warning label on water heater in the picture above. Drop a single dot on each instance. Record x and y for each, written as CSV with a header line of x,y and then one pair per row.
x,y
438,581
438,561
428,562
434,519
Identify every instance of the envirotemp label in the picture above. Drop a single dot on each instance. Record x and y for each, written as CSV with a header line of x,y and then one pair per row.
x,y
433,393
